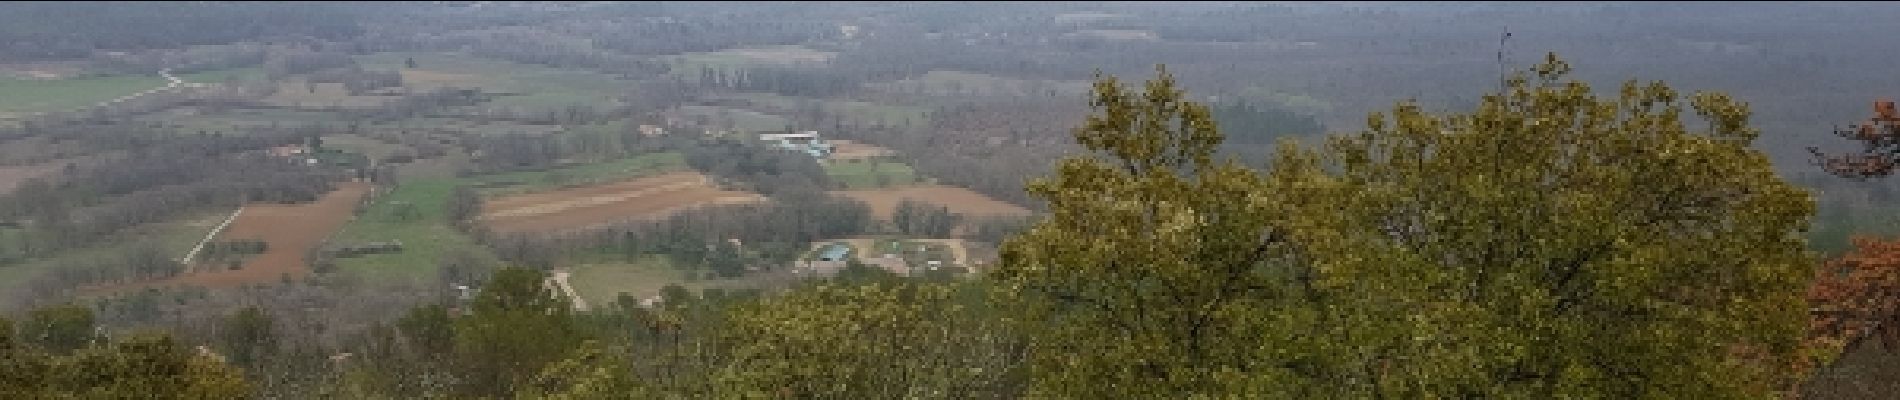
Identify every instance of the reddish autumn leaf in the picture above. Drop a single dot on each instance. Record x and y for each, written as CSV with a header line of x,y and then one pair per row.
x,y
1856,297
1880,134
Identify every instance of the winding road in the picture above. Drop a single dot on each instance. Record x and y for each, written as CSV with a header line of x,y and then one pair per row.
x,y
171,83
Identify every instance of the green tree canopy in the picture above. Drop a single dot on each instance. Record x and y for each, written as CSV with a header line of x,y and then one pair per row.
x,y
248,336
142,365
517,325
1550,243
880,339
62,328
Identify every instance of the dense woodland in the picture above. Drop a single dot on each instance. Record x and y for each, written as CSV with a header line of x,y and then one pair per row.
x,y
1230,199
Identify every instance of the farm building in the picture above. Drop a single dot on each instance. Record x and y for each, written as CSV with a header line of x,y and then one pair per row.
x,y
808,142
652,130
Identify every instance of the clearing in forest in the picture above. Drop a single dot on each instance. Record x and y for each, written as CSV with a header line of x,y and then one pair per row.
x,y
883,202
290,230
585,207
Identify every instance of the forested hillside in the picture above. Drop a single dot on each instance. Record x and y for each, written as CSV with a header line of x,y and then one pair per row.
x,y
610,200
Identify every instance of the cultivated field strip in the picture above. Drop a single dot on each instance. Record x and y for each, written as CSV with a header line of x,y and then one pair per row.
x,y
883,202
511,202
589,207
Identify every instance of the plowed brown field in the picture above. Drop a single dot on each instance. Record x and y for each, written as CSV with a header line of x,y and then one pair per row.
x,y
582,208
290,229
883,202
850,150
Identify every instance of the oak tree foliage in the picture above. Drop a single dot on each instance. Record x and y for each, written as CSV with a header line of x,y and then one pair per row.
x,y
1550,243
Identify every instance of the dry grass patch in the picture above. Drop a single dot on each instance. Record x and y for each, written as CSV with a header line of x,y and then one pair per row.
x,y
883,202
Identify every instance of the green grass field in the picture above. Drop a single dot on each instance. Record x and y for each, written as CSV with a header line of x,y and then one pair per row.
x,y
425,233
219,76
538,87
864,174
602,279
30,96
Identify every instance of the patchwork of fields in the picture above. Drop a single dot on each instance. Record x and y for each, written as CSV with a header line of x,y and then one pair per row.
x,y
289,230
589,190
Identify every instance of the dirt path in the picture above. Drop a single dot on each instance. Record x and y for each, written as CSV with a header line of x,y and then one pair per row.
x,y
559,280
171,83
186,260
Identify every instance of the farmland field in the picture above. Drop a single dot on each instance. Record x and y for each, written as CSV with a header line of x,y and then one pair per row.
x,y
601,281
295,93
845,150
372,148
532,86
413,214
41,69
865,174
26,96
579,208
883,202
291,230
580,175
443,167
